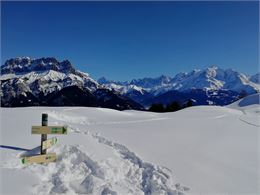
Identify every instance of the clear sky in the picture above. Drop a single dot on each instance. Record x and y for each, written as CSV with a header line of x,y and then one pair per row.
x,y
125,40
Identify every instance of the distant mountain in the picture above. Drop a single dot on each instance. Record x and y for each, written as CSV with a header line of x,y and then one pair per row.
x,y
255,78
151,82
228,84
48,82
212,78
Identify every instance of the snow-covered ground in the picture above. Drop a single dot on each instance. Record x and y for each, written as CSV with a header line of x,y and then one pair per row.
x,y
198,150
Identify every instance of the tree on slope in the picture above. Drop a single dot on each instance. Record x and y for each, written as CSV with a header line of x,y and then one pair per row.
x,y
174,106
156,108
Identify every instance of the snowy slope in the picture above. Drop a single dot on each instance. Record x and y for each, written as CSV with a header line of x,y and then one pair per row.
x,y
87,162
210,149
250,108
251,100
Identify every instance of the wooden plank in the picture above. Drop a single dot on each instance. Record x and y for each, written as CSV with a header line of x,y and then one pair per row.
x,y
49,130
45,158
49,143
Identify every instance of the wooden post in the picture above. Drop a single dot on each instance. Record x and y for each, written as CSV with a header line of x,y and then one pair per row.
x,y
44,136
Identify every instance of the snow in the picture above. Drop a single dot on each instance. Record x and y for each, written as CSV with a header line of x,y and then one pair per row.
x,y
7,76
87,162
247,101
250,107
21,179
198,150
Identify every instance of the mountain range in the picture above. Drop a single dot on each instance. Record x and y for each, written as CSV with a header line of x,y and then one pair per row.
x,y
212,85
48,82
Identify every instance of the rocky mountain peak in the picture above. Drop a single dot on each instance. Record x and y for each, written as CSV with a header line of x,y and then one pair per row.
x,y
21,65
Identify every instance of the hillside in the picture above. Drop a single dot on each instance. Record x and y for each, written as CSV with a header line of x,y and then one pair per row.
x,y
132,152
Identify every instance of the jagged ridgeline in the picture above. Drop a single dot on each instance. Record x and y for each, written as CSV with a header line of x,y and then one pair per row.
x,y
49,82
209,86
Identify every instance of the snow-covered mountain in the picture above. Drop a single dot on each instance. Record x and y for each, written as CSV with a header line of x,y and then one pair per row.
x,y
212,80
46,81
42,75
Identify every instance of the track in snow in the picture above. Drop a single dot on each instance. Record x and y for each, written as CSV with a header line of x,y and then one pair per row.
x,y
78,171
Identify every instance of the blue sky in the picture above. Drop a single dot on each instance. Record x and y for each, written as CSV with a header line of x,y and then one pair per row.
x,y
125,40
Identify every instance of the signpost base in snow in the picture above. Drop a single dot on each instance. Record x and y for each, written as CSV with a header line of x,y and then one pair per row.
x,y
45,144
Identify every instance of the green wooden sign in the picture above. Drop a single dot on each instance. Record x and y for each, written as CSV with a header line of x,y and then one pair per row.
x,y
49,143
49,130
45,158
